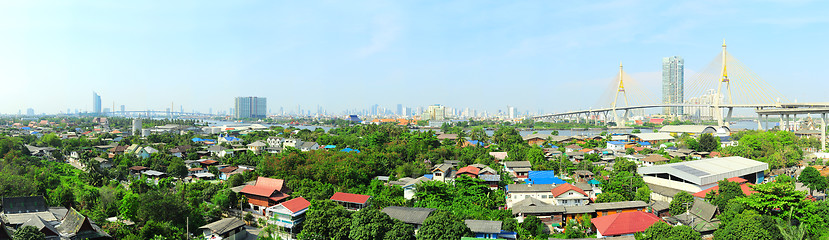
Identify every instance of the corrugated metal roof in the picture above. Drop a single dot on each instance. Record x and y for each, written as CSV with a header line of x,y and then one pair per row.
x,y
710,170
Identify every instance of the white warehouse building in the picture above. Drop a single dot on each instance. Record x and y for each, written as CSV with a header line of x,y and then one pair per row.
x,y
695,176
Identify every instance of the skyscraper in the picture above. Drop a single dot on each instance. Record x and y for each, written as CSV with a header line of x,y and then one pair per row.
x,y
251,107
96,103
673,84
399,109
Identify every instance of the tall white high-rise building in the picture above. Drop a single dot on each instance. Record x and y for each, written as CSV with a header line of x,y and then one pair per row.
x,y
136,126
673,84
96,103
250,107
512,112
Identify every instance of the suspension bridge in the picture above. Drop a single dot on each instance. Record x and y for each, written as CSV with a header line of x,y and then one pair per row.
x,y
725,84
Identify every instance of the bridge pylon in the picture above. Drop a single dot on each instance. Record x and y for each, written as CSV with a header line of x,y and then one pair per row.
x,y
620,89
718,98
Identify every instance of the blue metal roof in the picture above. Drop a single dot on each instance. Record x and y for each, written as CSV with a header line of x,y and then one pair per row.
x,y
617,142
429,176
350,150
543,177
330,146
644,143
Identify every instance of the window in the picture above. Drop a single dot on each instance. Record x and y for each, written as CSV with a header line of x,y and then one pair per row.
x,y
564,201
571,193
543,196
618,211
437,174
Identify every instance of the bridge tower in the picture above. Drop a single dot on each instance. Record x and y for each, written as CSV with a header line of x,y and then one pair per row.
x,y
620,89
718,97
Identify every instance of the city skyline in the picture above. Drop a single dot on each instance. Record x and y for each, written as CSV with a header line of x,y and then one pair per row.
x,y
387,53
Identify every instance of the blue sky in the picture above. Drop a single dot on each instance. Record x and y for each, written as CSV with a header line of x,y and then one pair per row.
x,y
550,55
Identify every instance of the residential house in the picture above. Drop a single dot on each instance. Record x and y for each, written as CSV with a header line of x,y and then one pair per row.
x,y
227,228
583,175
205,163
536,139
626,223
351,201
275,142
257,146
550,215
519,192
445,136
103,162
569,195
519,169
409,185
499,156
216,150
228,139
617,146
410,215
572,148
146,152
226,172
308,146
203,176
652,138
136,170
49,231
289,214
468,171
653,159
727,141
701,217
483,228
118,150
76,226
443,172
265,193
604,209
291,142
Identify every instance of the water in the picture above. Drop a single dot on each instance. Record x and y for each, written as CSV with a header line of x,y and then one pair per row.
x,y
750,125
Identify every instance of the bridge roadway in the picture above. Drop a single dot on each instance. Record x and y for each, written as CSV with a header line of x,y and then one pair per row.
x,y
724,106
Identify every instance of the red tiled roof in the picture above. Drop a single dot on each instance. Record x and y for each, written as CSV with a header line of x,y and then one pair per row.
x,y
563,188
586,150
624,223
195,169
296,204
469,169
278,196
350,197
257,190
271,183
738,180
228,169
208,162
138,168
745,187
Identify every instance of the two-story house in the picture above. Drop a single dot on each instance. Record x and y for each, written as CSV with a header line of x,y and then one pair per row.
x,y
569,195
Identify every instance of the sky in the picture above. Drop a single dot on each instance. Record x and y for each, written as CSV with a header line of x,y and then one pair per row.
x,y
535,55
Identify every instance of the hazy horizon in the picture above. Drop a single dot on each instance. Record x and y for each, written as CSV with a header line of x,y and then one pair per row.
x,y
484,55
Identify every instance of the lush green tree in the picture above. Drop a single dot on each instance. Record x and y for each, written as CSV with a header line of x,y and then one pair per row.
x,y
610,197
369,224
623,183
28,233
727,190
236,180
681,203
533,225
692,143
790,232
708,142
812,179
225,198
746,225
624,165
658,231
643,194
400,231
177,169
636,131
443,226
774,197
326,220
162,207
574,230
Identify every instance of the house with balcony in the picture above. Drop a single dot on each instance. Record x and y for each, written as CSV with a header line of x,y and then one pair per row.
x,y
288,214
